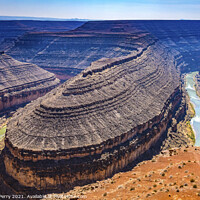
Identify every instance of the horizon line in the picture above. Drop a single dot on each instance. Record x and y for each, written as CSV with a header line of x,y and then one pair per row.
x,y
15,18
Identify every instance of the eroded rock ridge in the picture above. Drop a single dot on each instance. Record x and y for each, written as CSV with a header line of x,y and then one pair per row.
x,y
22,82
96,123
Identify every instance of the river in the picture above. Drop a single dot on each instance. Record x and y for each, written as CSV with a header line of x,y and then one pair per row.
x,y
195,100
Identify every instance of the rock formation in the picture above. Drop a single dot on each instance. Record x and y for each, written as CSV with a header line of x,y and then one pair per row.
x,y
75,50
11,31
67,54
22,82
96,123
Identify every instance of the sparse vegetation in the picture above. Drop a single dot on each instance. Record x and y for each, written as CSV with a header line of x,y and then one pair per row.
x,y
2,133
148,195
112,182
105,194
190,133
192,109
132,188
192,180
195,186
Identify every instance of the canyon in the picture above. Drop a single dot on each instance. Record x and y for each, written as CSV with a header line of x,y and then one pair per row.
x,y
124,94
11,31
98,122
67,53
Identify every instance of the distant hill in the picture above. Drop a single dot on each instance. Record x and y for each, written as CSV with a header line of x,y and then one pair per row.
x,y
39,18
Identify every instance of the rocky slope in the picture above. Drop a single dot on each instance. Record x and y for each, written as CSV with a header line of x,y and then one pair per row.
x,y
98,122
173,174
22,82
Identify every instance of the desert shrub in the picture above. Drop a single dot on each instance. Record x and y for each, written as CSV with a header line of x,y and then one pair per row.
x,y
192,180
132,188
195,186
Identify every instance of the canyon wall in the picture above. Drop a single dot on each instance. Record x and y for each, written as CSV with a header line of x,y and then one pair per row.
x,y
22,82
96,123
67,54
76,49
12,31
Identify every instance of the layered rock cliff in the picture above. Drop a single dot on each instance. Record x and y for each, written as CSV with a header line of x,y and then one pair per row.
x,y
75,50
11,31
182,36
96,123
22,82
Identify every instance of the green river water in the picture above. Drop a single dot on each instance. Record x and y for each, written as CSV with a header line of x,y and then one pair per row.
x,y
195,100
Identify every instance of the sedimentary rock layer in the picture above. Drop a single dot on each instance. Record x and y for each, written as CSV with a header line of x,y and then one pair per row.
x,y
11,31
96,123
75,50
22,82
67,54
182,36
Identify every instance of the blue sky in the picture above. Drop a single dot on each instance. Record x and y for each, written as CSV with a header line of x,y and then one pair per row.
x,y
103,9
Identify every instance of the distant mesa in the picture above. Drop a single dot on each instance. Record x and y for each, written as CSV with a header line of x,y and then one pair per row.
x,y
22,82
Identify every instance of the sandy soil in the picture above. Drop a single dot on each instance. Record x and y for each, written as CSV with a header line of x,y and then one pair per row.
x,y
173,174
